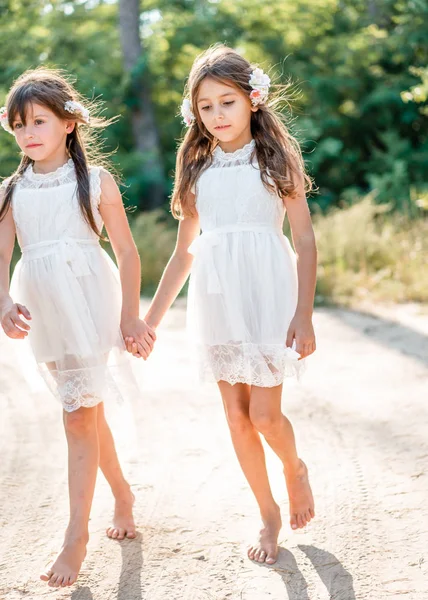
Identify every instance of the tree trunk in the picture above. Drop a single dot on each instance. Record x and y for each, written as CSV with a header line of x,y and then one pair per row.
x,y
143,119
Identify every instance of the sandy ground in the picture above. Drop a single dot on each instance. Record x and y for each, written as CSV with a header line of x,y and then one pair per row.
x,y
360,416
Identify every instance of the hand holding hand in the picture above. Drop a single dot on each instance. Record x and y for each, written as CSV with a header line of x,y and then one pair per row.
x,y
11,322
139,338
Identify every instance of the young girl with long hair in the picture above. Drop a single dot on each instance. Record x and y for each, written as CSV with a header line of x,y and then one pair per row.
x,y
66,296
250,301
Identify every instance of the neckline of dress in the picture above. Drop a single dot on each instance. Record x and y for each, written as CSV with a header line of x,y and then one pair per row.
x,y
239,154
61,171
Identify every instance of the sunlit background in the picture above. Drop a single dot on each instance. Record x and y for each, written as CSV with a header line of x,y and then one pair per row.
x,y
360,112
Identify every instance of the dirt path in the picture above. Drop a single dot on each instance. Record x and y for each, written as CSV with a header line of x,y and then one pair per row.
x,y
361,417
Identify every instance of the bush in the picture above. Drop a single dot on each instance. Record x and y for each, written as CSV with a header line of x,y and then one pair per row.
x,y
364,251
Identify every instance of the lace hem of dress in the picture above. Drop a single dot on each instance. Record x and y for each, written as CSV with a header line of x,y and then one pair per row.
x,y
87,387
262,365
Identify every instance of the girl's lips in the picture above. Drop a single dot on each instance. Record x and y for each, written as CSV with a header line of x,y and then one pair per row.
x,y
222,127
33,145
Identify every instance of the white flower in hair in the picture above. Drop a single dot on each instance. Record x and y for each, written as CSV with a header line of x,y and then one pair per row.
x,y
4,120
186,112
76,108
260,82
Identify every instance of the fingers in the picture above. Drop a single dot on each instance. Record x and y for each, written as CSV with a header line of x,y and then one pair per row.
x,y
139,348
24,311
144,349
151,333
290,338
305,348
13,326
128,343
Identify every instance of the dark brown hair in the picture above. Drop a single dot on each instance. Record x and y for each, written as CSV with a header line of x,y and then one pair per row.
x,y
278,152
52,88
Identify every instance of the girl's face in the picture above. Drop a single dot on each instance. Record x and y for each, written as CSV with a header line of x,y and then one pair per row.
x,y
43,136
225,111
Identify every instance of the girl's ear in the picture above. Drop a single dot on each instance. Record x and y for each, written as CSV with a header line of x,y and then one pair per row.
x,y
254,108
69,126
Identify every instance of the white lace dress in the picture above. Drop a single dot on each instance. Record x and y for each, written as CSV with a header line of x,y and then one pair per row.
x,y
70,286
243,285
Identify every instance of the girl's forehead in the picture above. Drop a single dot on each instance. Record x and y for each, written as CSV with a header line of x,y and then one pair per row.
x,y
211,88
31,110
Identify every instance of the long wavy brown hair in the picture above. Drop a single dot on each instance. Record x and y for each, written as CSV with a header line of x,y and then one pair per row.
x,y
278,153
52,88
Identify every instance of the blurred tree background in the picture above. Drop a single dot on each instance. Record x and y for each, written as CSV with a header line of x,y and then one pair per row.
x,y
360,66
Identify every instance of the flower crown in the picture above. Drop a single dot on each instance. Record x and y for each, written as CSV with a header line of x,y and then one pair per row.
x,y
259,81
70,106
4,120
78,109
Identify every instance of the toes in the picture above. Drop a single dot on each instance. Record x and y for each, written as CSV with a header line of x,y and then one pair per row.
x,y
46,575
262,556
308,516
300,521
71,579
270,559
114,534
60,581
131,534
257,555
251,552
293,522
312,512
53,580
120,534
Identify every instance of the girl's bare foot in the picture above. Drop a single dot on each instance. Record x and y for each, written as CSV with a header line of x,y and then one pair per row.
x,y
123,520
266,548
65,568
300,495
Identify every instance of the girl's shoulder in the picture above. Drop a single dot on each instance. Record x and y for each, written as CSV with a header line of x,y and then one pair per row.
x,y
103,184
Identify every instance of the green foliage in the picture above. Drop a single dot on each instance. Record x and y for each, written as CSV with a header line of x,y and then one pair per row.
x,y
365,252
361,69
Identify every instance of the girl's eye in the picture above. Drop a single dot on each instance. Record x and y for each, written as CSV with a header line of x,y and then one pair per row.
x,y
205,107
17,126
229,103
39,122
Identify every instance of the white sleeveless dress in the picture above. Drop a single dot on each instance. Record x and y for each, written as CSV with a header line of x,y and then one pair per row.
x,y
70,286
243,284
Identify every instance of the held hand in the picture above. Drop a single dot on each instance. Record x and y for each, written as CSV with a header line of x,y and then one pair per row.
x,y
139,338
301,330
13,326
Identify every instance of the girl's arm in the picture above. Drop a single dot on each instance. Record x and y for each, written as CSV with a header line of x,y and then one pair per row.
x,y
176,272
301,328
173,278
10,312
116,223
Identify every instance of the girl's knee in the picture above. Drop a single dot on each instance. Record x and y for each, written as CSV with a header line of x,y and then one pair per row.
x,y
266,422
81,421
238,420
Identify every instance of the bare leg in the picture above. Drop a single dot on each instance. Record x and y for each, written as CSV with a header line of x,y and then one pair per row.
x,y
267,418
249,450
123,520
83,457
